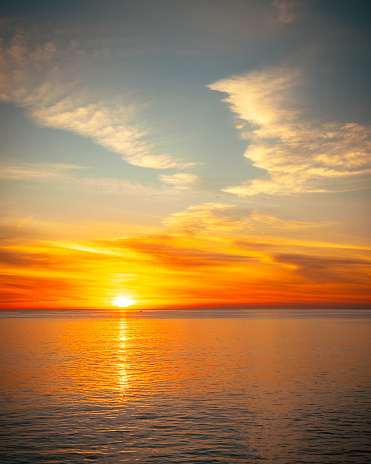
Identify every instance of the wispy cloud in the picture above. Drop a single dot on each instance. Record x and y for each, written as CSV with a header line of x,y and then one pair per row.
x,y
109,127
36,172
222,218
284,11
45,79
298,155
181,181
206,218
62,174
326,269
170,253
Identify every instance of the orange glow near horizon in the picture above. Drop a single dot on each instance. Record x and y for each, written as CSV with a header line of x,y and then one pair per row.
x,y
184,271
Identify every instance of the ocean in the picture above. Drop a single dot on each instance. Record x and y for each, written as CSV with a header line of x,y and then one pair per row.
x,y
185,386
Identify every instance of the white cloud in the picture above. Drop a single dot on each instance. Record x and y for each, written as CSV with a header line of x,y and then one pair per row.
x,y
43,79
109,127
61,174
181,181
298,155
36,172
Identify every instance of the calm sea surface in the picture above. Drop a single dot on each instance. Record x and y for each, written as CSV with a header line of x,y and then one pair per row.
x,y
239,386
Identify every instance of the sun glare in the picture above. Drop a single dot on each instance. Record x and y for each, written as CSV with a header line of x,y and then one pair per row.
x,y
122,301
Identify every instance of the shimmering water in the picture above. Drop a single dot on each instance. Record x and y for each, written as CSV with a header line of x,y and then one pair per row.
x,y
185,387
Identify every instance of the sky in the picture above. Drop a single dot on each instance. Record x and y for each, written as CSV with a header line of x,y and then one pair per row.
x,y
172,154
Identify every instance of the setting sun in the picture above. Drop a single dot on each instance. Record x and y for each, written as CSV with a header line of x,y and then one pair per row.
x,y
122,301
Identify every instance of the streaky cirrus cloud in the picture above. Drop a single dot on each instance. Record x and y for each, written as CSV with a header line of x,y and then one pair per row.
x,y
36,172
224,218
180,180
299,156
109,127
46,78
63,175
325,269
169,253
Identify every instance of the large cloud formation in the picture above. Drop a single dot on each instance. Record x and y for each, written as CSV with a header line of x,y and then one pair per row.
x,y
298,155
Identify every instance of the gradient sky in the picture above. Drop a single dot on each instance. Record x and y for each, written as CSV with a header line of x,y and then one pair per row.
x,y
210,153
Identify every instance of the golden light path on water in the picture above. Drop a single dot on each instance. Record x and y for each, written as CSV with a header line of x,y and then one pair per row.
x,y
123,379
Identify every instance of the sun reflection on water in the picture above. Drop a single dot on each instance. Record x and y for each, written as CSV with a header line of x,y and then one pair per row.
x,y
122,351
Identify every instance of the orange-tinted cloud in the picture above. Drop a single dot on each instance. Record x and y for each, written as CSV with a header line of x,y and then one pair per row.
x,y
299,156
329,269
218,264
225,218
172,253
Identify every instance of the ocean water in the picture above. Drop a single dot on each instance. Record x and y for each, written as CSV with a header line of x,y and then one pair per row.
x,y
238,386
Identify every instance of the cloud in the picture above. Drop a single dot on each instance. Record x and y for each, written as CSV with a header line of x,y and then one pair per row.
x,y
36,172
284,11
325,269
175,255
109,127
274,261
45,79
299,156
25,291
181,181
14,258
222,218
61,173
205,218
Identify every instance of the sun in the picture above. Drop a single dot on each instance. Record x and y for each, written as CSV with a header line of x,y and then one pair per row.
x,y
122,301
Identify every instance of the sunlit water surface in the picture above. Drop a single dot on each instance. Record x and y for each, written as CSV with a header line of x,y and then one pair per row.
x,y
185,387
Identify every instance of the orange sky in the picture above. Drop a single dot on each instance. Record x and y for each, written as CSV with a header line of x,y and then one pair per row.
x,y
212,262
